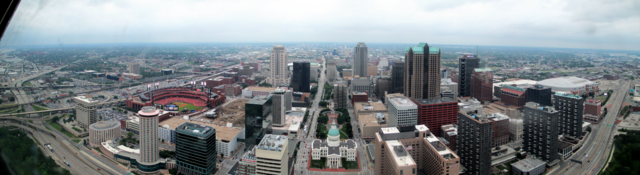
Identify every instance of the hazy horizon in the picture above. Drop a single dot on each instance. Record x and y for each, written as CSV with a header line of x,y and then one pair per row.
x,y
545,24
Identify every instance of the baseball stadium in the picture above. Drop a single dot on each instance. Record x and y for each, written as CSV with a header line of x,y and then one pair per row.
x,y
184,98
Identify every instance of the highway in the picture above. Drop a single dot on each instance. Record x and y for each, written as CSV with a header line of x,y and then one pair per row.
x,y
596,149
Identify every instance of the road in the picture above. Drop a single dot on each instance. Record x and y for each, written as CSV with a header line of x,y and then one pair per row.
x,y
596,149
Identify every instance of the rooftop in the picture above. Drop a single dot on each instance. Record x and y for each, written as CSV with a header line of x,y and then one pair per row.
x,y
399,153
85,99
149,111
259,100
104,125
272,142
482,69
528,164
223,133
373,119
435,101
568,95
258,88
450,129
369,106
566,82
402,102
195,128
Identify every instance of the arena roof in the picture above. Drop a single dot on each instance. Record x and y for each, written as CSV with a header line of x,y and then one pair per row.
x,y
104,125
566,82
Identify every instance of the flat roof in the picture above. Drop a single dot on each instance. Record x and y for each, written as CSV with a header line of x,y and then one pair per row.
x,y
84,99
258,88
369,119
370,106
222,132
272,142
399,153
389,130
402,102
528,164
435,101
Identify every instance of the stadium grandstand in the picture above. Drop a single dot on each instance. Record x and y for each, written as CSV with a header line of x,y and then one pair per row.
x,y
171,95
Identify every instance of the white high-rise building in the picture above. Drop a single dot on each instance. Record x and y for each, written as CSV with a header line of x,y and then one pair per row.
x,y
86,110
278,66
402,112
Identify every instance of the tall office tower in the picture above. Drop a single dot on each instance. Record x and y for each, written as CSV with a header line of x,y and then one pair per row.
x,y
482,84
466,64
278,67
86,110
281,103
474,142
592,111
436,112
541,131
148,134
539,94
196,149
402,112
362,84
134,68
422,72
397,76
340,94
300,77
332,71
360,60
272,156
412,150
571,108
383,85
372,69
313,73
256,110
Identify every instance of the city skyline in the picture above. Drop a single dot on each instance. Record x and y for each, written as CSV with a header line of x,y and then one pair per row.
x,y
601,25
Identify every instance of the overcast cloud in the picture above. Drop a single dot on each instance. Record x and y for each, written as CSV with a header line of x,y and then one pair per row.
x,y
606,24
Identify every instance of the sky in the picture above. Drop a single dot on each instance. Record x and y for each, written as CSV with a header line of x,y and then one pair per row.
x,y
591,24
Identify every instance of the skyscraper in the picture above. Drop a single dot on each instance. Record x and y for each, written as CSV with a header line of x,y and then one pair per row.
x,y
340,94
86,110
148,134
466,65
360,59
397,76
134,68
278,66
422,72
436,112
256,110
300,77
332,71
196,149
474,142
482,84
540,131
539,94
571,108
383,85
402,112
281,103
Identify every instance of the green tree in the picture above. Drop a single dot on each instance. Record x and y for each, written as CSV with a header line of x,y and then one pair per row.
x,y
173,171
323,119
12,98
130,135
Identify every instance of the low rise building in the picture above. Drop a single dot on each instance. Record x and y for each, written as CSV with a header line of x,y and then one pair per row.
x,y
333,149
450,135
226,137
272,156
102,131
370,123
528,166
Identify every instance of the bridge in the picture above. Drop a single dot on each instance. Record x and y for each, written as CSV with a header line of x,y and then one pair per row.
x,y
64,110
23,123
54,87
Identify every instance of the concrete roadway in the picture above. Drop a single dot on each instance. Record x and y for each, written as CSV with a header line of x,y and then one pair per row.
x,y
595,159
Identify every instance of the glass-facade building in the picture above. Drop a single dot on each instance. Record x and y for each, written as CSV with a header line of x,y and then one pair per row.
x,y
256,112
300,78
195,149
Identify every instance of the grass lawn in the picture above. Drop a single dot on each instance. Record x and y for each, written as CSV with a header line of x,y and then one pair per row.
x,y
77,141
343,135
27,84
601,98
59,128
38,108
98,149
56,126
188,106
30,121
349,164
5,105
319,163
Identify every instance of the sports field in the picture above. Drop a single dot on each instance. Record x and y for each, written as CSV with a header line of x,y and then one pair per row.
x,y
189,106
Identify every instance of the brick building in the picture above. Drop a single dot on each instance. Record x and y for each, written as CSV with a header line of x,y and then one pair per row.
x,y
436,112
482,84
512,95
